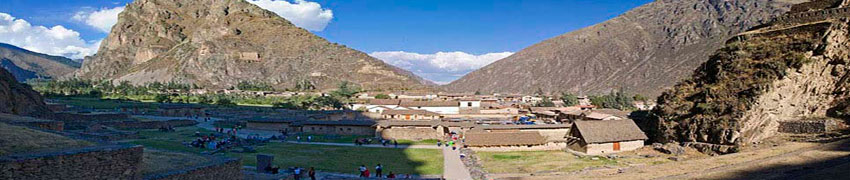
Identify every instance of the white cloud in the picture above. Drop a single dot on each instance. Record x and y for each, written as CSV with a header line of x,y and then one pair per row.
x,y
56,40
440,67
304,14
102,19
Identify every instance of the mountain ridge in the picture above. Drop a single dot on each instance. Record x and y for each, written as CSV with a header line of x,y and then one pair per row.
x,y
642,51
217,44
25,64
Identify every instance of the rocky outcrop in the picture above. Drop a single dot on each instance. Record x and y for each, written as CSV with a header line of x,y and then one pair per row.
x,y
759,79
25,64
20,99
642,51
219,43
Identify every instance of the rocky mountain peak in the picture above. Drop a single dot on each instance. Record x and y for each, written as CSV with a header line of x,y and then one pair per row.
x,y
219,43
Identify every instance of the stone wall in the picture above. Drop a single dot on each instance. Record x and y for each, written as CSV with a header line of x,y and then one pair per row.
x,y
75,121
100,162
811,16
150,124
552,146
807,127
338,130
411,133
49,125
222,169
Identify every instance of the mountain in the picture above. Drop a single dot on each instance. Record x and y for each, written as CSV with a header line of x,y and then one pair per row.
x,y
642,51
20,99
25,64
793,69
219,43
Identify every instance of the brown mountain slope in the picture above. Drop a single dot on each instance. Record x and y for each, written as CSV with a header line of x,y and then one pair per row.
x,y
793,69
219,43
20,99
643,51
25,64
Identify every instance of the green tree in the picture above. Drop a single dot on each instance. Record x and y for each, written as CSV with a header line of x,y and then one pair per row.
x,y
382,96
569,99
162,98
546,102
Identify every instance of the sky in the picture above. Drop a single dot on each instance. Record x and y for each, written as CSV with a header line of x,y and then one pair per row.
x,y
440,40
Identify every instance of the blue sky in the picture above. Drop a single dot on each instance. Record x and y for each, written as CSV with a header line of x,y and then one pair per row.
x,y
438,39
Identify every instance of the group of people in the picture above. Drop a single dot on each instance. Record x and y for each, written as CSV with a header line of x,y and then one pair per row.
x,y
166,129
297,173
232,131
211,141
384,142
365,173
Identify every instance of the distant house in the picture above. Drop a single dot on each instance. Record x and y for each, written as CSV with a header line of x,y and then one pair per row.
x,y
409,115
442,107
599,116
603,137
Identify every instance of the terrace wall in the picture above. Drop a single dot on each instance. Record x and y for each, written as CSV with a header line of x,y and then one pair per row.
x,y
411,133
100,162
150,124
224,169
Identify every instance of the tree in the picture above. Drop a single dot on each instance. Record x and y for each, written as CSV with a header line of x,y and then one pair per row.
x,y
382,96
162,98
477,92
639,97
546,102
614,100
569,99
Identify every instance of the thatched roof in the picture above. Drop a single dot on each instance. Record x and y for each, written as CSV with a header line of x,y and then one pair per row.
x,y
484,139
608,131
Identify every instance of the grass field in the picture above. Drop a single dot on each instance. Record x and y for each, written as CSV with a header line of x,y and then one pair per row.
x,y
538,161
97,103
17,139
344,159
341,159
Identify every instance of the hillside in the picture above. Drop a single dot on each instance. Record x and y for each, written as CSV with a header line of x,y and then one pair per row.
x,y
792,69
642,51
20,99
25,64
219,43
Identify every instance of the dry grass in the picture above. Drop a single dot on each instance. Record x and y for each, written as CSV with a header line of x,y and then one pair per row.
x,y
17,139
538,162
156,161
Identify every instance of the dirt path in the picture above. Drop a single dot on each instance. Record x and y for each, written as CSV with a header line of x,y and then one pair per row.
x,y
453,168
793,159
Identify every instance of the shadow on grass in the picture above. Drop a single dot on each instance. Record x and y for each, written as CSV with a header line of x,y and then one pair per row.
x,y
347,159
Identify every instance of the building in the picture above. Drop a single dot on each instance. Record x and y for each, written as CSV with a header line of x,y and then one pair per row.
x,y
441,107
604,137
410,115
410,130
274,123
344,127
552,132
508,141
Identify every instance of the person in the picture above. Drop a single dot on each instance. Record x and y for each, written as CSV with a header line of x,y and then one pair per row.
x,y
297,173
298,138
407,176
378,171
362,170
312,173
395,143
357,142
309,138
366,173
391,175
383,142
439,143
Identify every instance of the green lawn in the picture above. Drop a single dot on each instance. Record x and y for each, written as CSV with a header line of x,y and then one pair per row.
x,y
97,103
341,159
345,159
538,161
